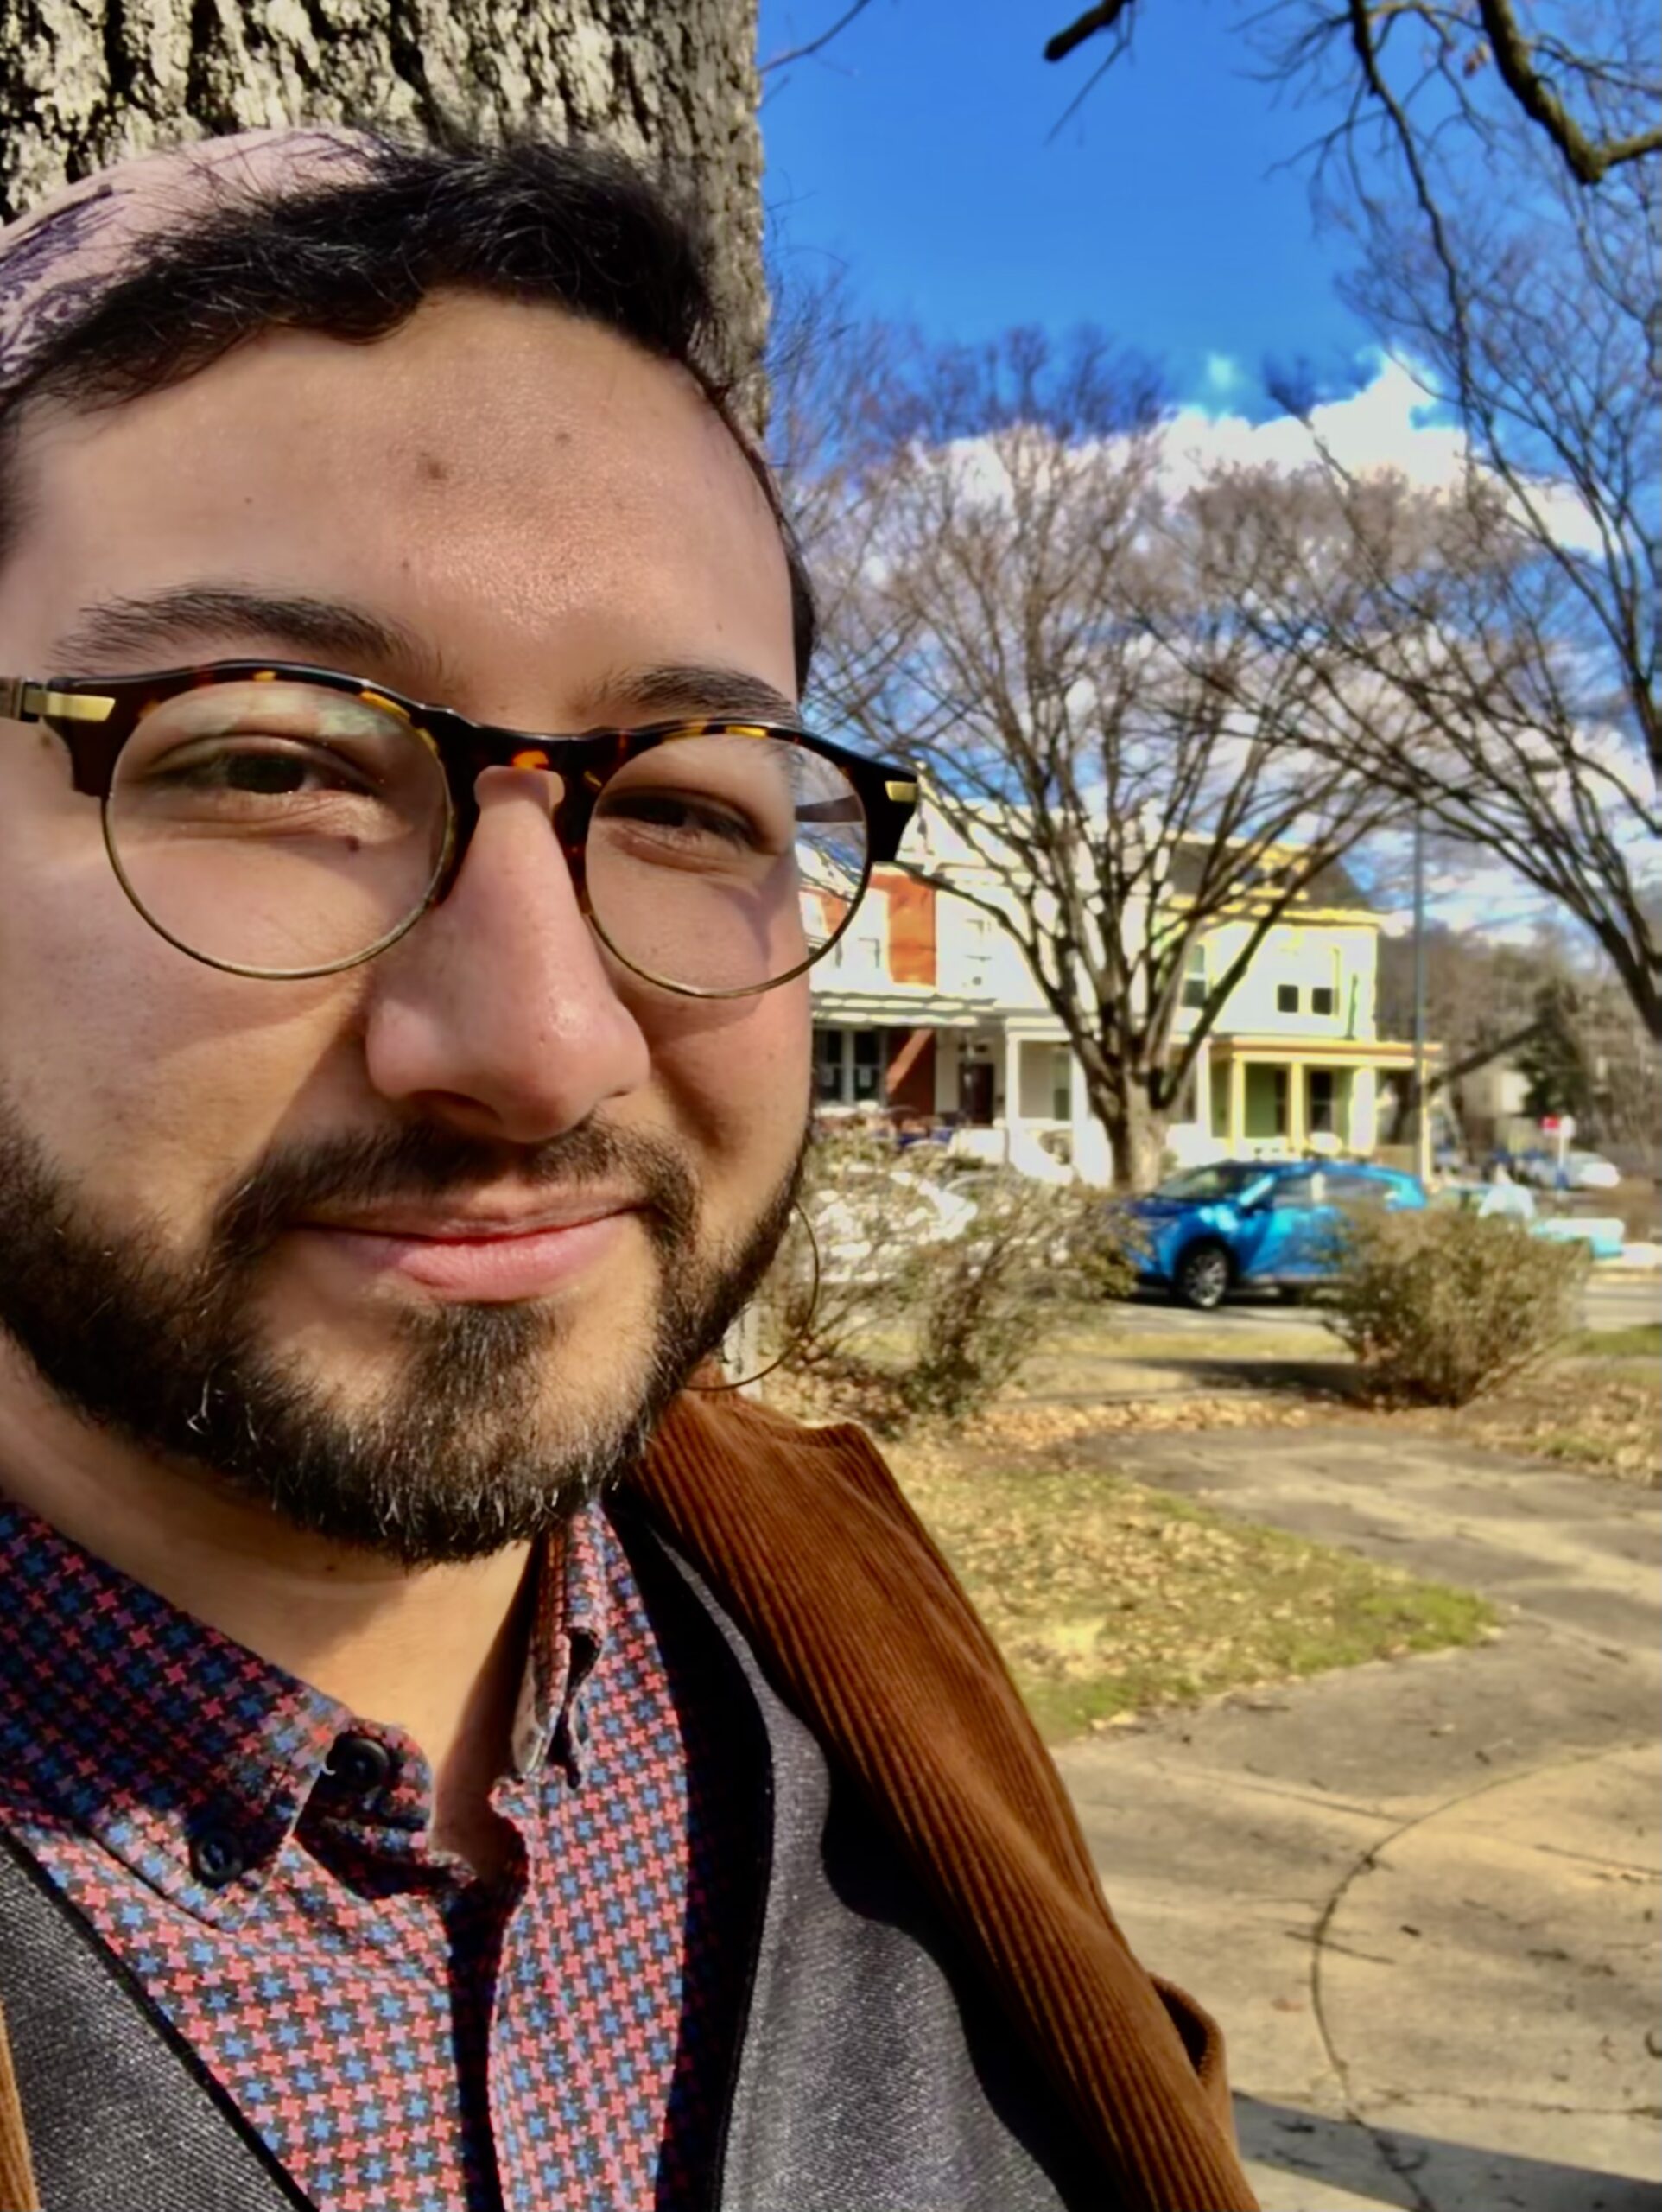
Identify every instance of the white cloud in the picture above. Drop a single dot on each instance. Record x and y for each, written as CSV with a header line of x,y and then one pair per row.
x,y
1221,374
1387,425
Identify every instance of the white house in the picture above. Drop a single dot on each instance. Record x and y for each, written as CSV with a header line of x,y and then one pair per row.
x,y
927,1010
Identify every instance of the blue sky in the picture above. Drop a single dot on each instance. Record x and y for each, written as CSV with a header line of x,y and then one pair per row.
x,y
914,150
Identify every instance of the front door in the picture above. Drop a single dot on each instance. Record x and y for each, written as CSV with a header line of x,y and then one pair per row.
x,y
975,1093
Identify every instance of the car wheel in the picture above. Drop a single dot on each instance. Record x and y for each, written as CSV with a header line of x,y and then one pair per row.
x,y
1202,1279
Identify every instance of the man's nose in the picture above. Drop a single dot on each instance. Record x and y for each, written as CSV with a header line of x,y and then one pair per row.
x,y
497,1011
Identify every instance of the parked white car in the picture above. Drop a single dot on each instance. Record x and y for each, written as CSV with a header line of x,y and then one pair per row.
x,y
1582,1171
1591,1170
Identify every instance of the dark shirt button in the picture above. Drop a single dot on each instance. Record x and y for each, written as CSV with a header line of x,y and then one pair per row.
x,y
361,1765
217,1858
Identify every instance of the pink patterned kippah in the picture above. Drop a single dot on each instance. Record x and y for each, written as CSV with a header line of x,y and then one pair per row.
x,y
56,260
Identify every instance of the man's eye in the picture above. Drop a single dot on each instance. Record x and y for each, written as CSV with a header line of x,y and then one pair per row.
x,y
264,770
687,816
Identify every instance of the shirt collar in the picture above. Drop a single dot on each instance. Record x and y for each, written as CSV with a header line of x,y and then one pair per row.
x,y
572,1613
130,1719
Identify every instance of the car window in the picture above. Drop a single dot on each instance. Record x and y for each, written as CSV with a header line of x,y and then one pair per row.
x,y
1201,1186
1223,1179
1297,1190
1353,1190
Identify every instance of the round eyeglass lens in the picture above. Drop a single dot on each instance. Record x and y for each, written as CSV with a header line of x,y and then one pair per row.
x,y
276,827
722,862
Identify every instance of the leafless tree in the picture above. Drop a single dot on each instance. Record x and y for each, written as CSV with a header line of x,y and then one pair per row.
x,y
1500,175
1577,75
1012,599
83,82
1466,660
1574,75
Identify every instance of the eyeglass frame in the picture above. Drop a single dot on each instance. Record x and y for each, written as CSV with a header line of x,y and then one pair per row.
x,y
95,716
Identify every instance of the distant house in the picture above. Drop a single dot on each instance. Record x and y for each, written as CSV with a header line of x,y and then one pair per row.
x,y
1494,1103
927,1010
1295,1054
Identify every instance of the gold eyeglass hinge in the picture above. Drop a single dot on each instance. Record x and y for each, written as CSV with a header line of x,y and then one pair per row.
x,y
67,706
23,700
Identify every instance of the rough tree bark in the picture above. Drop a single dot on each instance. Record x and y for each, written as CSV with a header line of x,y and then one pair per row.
x,y
85,82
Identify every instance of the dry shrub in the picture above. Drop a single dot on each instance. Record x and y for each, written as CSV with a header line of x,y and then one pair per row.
x,y
824,1301
1442,1306
978,1301
911,1321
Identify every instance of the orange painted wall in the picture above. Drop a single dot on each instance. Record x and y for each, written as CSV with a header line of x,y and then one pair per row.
x,y
911,927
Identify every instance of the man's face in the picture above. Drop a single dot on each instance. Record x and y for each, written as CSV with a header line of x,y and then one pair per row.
x,y
259,1223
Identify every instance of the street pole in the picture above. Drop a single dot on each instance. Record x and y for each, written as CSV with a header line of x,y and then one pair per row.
x,y
1422,1116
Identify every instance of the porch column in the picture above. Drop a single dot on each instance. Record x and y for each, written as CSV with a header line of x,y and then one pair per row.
x,y
1012,1084
1364,1112
948,1052
1237,1103
1297,1105
1204,1086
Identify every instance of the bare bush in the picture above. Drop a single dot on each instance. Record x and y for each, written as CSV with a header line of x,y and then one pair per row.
x,y
1444,1306
982,1300
829,1295
929,1287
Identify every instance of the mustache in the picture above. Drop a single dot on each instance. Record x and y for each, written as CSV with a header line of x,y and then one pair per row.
x,y
426,1161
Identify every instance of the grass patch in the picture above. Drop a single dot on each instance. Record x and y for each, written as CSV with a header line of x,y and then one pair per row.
x,y
1107,1598
1604,1416
1643,1340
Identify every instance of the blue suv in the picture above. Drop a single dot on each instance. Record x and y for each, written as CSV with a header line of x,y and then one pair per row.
x,y
1243,1223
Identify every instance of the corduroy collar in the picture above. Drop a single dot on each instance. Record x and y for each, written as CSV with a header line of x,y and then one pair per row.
x,y
862,1626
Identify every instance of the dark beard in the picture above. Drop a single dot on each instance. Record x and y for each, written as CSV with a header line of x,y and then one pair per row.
x,y
460,1458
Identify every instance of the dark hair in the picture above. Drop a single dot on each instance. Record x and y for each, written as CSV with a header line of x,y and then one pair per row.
x,y
578,227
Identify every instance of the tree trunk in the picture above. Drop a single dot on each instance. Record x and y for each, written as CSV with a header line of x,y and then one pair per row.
x,y
85,82
1136,1134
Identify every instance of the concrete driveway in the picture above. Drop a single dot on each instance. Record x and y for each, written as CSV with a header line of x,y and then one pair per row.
x,y
1422,1896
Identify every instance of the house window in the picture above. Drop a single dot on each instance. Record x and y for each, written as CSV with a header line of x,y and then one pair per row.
x,y
848,1067
1195,983
828,1066
1286,998
1062,1070
866,1065
1323,998
858,951
1323,1100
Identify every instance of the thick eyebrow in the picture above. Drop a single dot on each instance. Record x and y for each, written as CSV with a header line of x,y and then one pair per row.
x,y
690,687
115,630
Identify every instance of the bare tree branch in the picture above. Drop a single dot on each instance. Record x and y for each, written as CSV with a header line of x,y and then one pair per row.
x,y
1588,161
816,45
1105,17
1517,62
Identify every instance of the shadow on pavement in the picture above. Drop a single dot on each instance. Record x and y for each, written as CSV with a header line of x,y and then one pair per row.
x,y
1423,2173
1298,1378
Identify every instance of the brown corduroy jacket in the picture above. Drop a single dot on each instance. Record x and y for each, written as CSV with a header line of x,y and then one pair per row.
x,y
850,1609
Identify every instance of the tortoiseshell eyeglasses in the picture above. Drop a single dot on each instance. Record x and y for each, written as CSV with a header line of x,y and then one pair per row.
x,y
282,821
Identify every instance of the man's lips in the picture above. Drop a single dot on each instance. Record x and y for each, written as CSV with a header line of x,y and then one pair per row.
x,y
488,1257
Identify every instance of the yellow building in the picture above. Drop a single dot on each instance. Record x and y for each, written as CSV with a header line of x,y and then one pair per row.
x,y
1294,1056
